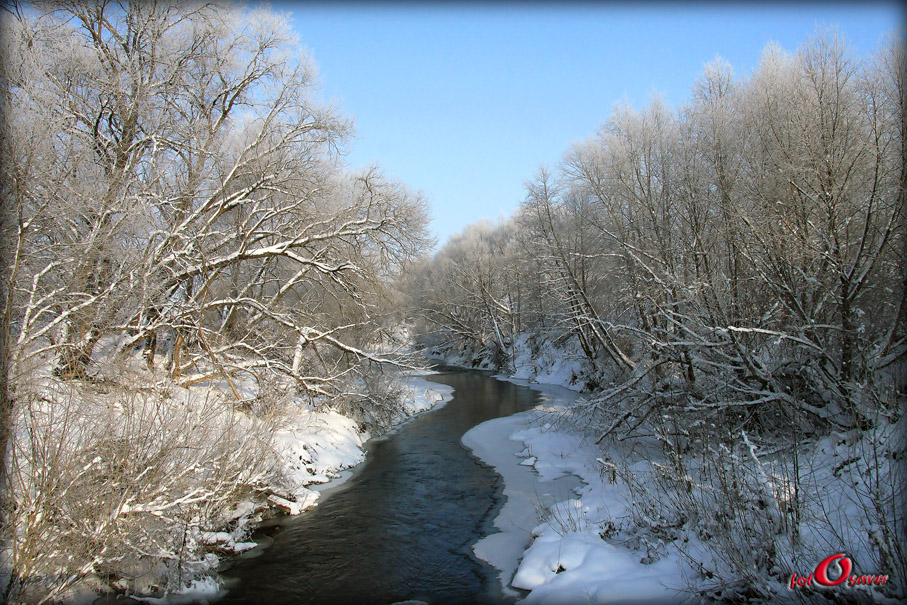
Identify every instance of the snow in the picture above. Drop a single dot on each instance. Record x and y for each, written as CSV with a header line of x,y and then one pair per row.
x,y
592,545
581,567
546,362
570,560
315,447
294,507
424,395
224,540
201,591
490,442
559,510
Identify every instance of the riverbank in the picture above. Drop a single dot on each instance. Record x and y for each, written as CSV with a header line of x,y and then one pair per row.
x,y
566,531
315,448
403,525
525,492
311,453
318,451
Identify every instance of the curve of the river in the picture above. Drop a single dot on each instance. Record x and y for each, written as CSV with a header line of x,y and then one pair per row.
x,y
401,528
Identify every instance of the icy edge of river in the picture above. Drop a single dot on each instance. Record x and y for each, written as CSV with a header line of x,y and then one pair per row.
x,y
424,396
526,492
319,451
550,541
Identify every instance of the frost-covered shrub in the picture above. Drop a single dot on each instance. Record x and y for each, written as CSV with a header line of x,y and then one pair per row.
x,y
375,401
747,515
113,484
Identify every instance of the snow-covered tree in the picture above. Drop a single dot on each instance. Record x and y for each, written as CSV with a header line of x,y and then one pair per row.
x,y
734,270
172,185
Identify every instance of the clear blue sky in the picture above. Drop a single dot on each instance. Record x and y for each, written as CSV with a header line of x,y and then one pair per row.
x,y
465,100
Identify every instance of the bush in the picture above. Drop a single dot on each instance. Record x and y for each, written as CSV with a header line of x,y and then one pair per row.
x,y
115,484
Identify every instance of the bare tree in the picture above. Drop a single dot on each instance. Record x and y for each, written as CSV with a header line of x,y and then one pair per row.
x,y
214,171
172,186
734,270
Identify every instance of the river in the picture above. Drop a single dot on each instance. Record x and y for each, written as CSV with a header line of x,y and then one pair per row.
x,y
402,527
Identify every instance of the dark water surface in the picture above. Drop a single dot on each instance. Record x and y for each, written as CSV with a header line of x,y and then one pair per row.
x,y
403,526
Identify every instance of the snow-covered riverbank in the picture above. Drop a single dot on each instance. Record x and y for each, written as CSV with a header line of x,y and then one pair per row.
x,y
316,447
558,525
525,494
315,452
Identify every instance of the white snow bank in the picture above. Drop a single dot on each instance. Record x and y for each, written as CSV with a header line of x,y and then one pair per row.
x,y
540,360
556,453
518,516
493,443
580,567
201,591
314,447
569,558
225,541
423,395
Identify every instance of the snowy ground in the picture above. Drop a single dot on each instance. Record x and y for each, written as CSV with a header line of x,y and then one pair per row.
x,y
525,494
617,531
559,523
315,447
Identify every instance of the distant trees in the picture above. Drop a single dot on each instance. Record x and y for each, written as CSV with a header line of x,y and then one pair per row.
x,y
171,185
465,295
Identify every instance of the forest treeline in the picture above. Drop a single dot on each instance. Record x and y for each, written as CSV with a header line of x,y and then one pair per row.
x,y
732,268
176,213
739,256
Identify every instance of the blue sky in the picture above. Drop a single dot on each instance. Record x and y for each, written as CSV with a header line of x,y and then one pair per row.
x,y
465,100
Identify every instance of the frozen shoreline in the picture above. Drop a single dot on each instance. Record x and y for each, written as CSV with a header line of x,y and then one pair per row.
x,y
551,541
525,490
320,450
491,442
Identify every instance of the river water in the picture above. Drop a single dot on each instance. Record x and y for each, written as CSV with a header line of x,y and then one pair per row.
x,y
402,527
